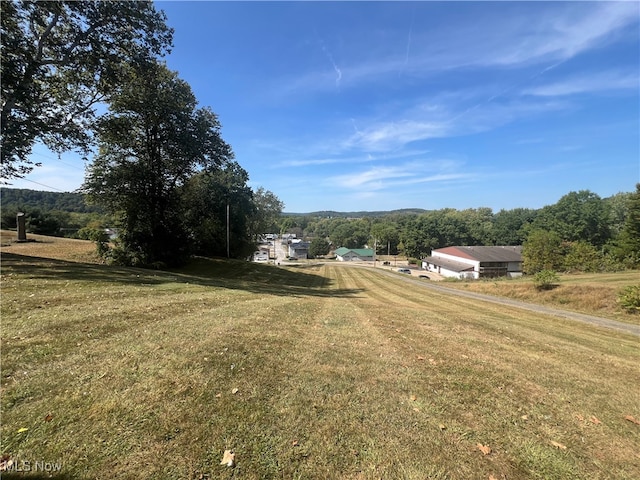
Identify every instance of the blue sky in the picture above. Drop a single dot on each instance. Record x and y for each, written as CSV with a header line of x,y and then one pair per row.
x,y
383,105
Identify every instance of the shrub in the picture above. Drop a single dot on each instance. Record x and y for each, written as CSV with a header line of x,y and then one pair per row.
x,y
546,279
629,298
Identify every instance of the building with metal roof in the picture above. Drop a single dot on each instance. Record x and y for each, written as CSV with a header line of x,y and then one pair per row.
x,y
475,261
354,254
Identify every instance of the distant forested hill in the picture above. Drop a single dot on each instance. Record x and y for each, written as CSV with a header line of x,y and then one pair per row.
x,y
18,198
362,214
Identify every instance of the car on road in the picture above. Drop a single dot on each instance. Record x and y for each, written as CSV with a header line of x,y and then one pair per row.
x,y
404,270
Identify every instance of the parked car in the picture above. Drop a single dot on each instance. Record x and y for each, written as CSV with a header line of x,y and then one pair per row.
x,y
404,270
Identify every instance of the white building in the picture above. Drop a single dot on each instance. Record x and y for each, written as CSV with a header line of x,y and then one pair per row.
x,y
475,261
261,256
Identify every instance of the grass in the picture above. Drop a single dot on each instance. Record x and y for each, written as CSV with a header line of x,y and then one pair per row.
x,y
590,293
340,373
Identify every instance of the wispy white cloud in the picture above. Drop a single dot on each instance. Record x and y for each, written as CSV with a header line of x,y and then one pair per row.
x,y
419,124
588,83
547,34
392,177
314,157
388,135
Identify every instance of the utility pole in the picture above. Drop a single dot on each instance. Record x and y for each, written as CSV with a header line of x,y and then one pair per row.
x,y
375,247
228,256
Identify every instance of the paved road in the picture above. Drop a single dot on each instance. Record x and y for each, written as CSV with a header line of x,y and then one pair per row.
x,y
557,312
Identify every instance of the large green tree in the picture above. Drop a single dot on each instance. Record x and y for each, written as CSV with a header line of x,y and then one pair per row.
x,y
351,234
510,226
629,240
59,60
220,212
542,250
577,216
385,236
318,247
152,141
268,208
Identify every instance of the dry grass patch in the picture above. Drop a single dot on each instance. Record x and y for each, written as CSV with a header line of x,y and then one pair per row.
x,y
308,372
50,247
593,294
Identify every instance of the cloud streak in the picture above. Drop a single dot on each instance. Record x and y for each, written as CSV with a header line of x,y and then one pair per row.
x,y
504,40
591,83
390,177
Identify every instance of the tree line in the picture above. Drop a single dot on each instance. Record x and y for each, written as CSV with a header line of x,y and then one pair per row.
x,y
582,231
23,199
165,178
160,169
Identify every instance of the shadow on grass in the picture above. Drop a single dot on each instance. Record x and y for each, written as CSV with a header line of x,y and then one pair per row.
x,y
221,273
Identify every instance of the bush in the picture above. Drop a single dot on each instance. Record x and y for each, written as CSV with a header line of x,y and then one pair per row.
x,y
546,280
629,298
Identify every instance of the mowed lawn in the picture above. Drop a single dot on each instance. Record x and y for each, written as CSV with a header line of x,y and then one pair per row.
x,y
324,371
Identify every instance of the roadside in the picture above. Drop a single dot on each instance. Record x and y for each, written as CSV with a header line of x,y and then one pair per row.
x,y
557,312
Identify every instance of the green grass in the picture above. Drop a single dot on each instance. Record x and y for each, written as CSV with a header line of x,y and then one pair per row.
x,y
340,373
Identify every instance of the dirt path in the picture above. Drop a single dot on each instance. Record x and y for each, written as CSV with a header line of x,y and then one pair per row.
x,y
591,319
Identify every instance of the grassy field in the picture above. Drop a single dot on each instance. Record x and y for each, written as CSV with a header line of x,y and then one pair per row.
x,y
590,293
304,372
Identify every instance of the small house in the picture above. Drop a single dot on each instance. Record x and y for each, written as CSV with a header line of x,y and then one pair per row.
x,y
299,249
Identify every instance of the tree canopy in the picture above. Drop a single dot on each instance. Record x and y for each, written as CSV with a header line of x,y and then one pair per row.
x,y
59,60
153,140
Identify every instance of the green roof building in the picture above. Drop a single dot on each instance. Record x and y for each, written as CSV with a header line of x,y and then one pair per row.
x,y
354,254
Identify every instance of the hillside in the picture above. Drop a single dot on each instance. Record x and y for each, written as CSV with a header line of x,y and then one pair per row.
x,y
314,371
17,198
360,214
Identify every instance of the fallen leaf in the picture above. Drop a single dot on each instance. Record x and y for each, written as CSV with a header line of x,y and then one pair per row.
x,y
558,445
525,417
420,357
491,477
234,391
413,398
218,395
294,443
442,426
229,458
6,462
595,420
580,417
48,417
416,409
23,429
486,449
632,420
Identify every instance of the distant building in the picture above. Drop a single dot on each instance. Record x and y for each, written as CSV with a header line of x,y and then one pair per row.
x,y
475,261
354,254
261,256
299,249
